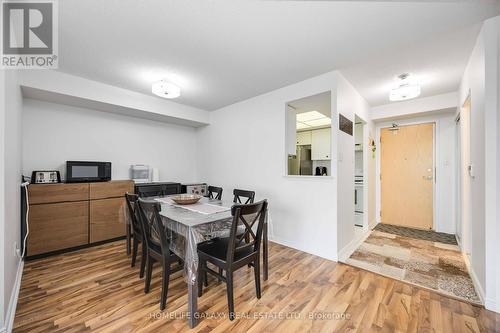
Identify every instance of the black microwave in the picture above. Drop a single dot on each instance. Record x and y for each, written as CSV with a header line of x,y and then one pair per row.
x,y
82,171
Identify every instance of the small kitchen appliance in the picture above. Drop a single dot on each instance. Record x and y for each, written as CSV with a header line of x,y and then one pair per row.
x,y
84,171
139,173
45,177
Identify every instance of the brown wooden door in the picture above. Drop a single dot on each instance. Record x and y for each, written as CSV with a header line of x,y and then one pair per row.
x,y
407,176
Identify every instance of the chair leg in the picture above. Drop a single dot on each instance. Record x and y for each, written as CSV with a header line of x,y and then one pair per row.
x,y
149,272
200,277
164,285
143,259
205,274
230,300
129,237
220,273
256,270
134,251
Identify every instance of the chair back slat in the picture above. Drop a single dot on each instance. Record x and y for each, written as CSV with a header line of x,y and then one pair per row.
x,y
215,192
245,218
133,212
155,233
243,196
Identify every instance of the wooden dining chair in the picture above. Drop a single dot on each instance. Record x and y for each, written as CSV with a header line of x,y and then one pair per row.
x,y
241,195
232,253
157,239
215,192
136,234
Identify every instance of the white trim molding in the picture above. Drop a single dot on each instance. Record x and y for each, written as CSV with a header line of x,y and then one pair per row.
x,y
11,310
346,252
475,280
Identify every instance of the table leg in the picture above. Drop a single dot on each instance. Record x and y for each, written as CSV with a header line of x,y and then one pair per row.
x,y
266,253
192,304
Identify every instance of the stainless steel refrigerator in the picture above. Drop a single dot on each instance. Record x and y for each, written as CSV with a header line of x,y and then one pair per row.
x,y
301,163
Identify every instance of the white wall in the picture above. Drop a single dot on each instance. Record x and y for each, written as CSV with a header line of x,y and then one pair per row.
x,y
349,103
481,80
2,198
55,133
445,151
415,107
11,180
244,147
473,82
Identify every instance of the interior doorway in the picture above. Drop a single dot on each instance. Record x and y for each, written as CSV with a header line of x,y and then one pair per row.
x,y
360,181
464,178
407,175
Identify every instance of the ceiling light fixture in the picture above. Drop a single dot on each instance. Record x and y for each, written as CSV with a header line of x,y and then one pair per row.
x,y
166,89
405,89
312,119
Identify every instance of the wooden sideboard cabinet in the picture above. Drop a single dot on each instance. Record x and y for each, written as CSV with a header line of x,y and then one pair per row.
x,y
65,216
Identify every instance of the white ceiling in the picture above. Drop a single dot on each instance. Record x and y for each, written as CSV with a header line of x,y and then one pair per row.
x,y
221,52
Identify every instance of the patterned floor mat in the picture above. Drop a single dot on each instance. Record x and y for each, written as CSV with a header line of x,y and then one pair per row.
x,y
429,235
427,264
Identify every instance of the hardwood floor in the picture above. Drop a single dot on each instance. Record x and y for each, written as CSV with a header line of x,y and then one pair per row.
x,y
96,290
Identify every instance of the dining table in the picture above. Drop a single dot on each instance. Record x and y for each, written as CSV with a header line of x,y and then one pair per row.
x,y
190,225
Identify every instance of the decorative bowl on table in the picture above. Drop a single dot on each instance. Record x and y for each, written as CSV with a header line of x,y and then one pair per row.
x,y
186,199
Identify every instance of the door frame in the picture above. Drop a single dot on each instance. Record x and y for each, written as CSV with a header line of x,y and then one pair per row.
x,y
465,222
435,143
366,182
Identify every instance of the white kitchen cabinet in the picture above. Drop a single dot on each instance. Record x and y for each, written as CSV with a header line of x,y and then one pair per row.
x,y
321,144
358,134
291,131
304,138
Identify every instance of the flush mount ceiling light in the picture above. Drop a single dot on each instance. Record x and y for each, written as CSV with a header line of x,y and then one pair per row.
x,y
166,89
405,89
312,119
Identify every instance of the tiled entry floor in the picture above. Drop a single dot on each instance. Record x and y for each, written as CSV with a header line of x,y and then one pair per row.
x,y
424,263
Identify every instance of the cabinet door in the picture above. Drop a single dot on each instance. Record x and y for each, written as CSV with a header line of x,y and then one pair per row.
x,y
107,219
304,138
57,226
321,144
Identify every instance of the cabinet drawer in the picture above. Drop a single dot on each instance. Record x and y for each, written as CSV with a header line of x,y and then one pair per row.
x,y
52,193
113,189
107,219
57,226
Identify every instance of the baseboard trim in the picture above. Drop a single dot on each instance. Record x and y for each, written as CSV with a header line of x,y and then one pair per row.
x,y
346,252
294,246
11,310
475,280
491,305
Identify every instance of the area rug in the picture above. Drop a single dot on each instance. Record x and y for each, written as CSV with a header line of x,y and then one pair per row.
x,y
429,235
432,265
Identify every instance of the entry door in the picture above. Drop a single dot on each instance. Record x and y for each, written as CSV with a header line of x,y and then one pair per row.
x,y
407,175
